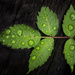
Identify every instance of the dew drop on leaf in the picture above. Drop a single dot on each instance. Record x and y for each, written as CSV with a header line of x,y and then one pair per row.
x,y
54,28
8,31
19,32
31,42
44,25
33,57
72,47
13,41
72,56
46,31
42,42
23,43
51,23
3,40
13,36
37,48
71,61
72,16
49,49
68,54
70,27
7,36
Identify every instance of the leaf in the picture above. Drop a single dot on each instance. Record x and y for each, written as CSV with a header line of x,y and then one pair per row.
x,y
47,21
69,22
69,52
41,53
20,36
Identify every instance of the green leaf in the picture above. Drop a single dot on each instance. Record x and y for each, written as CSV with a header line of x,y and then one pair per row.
x,y
47,21
20,36
69,51
69,22
41,53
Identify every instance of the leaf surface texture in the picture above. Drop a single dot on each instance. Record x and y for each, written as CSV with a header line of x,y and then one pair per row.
x,y
20,36
47,21
69,52
41,53
69,22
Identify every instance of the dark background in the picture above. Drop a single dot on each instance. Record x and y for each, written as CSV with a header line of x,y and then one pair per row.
x,y
15,62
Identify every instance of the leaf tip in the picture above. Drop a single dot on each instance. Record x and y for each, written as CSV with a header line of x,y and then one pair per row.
x,y
28,72
72,68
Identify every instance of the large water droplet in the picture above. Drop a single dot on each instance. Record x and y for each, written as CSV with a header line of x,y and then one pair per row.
x,y
68,53
33,57
72,16
44,25
46,31
3,40
51,23
13,36
13,41
19,32
43,17
49,49
8,31
54,28
72,47
7,36
23,43
42,42
31,42
72,56
71,27
37,48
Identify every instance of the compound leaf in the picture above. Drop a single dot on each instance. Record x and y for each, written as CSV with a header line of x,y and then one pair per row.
x,y
69,52
41,53
47,21
69,22
20,36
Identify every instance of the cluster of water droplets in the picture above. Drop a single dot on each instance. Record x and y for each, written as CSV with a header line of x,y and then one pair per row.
x,y
71,55
19,34
72,18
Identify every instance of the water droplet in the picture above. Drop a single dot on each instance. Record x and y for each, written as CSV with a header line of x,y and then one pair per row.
x,y
3,40
13,41
23,43
28,28
42,42
24,36
49,49
68,54
14,29
71,27
72,47
71,61
44,25
51,23
33,57
7,36
13,36
33,30
19,32
72,16
54,28
72,56
31,42
46,31
51,44
8,31
43,17
37,48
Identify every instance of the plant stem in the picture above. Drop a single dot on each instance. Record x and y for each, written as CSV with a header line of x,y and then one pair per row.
x,y
53,37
